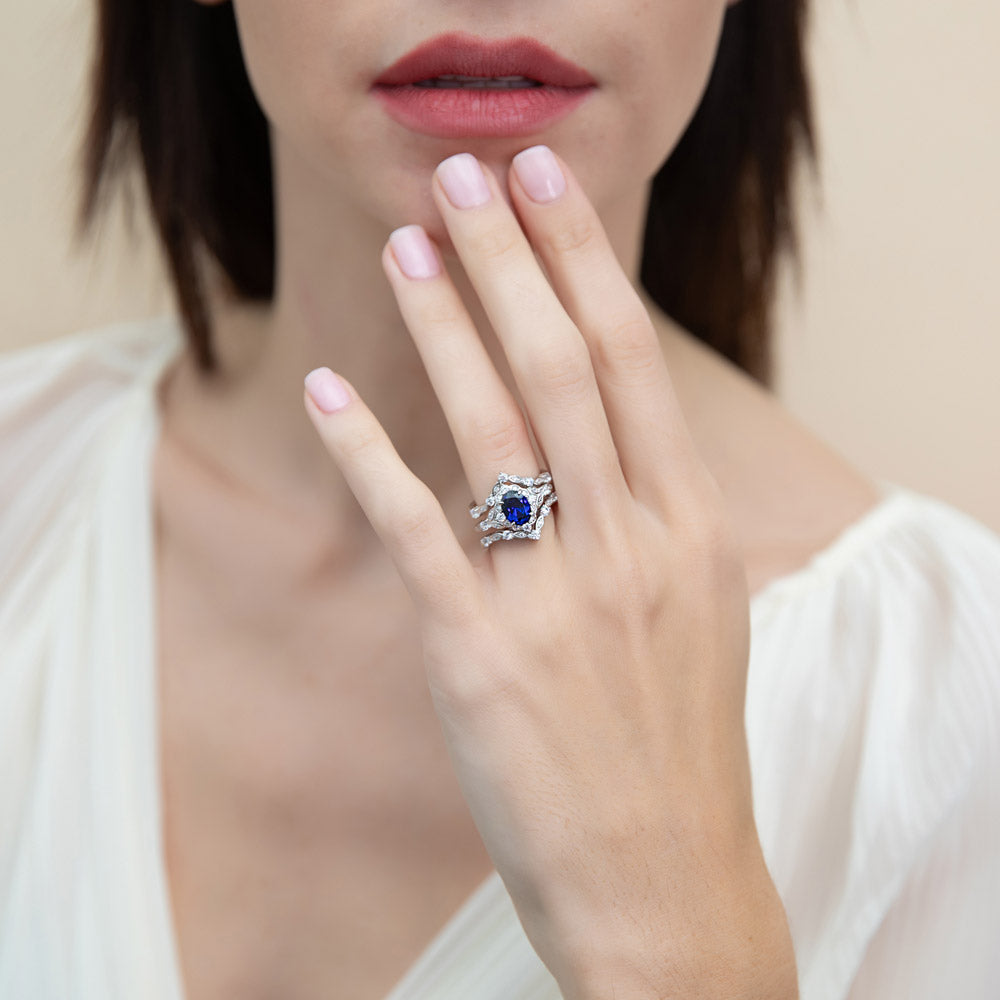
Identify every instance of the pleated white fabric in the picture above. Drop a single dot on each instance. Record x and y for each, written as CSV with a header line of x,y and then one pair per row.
x,y
873,720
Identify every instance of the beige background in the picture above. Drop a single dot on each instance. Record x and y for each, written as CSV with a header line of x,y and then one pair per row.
x,y
891,349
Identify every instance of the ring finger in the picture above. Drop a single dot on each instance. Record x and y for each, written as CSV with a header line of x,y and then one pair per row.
x,y
547,353
484,418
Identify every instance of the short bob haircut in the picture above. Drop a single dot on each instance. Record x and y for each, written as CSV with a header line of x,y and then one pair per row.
x,y
168,83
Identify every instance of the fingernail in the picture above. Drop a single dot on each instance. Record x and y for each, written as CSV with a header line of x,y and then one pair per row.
x,y
326,390
414,253
463,181
538,171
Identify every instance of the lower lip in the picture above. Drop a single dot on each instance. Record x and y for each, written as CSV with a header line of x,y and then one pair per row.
x,y
456,113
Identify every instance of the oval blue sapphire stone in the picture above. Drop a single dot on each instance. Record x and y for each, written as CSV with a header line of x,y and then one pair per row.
x,y
515,507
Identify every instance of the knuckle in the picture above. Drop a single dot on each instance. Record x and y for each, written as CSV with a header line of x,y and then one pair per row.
x,y
480,688
630,346
494,243
477,682
438,312
413,534
448,602
411,527
361,447
563,372
415,522
475,691
635,577
500,437
714,555
633,588
577,236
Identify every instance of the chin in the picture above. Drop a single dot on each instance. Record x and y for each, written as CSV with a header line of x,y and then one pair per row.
x,y
418,206
441,239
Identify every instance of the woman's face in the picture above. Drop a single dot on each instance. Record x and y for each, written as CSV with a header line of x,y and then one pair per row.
x,y
312,64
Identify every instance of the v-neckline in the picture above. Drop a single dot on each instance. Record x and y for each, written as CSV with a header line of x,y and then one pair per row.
x,y
489,898
486,895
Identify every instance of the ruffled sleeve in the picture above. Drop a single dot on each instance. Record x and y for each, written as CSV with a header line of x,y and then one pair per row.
x,y
873,715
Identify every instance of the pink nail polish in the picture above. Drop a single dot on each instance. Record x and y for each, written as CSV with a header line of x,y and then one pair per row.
x,y
414,253
463,181
326,390
539,173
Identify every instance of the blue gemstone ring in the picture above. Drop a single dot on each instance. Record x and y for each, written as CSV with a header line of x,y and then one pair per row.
x,y
516,508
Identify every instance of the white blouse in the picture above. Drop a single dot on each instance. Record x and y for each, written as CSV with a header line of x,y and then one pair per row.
x,y
873,720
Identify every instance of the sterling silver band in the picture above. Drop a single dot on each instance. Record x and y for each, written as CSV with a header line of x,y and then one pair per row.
x,y
516,507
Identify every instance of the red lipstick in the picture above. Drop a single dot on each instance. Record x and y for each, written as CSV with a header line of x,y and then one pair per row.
x,y
507,87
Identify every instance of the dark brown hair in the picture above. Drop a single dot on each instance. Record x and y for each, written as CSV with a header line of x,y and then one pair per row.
x,y
168,82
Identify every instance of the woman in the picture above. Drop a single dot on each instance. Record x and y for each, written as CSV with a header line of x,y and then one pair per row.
x,y
386,759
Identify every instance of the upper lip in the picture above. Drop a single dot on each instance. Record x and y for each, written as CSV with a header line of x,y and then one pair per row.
x,y
462,54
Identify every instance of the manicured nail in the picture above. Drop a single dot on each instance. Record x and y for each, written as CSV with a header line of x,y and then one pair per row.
x,y
414,253
463,181
538,171
326,390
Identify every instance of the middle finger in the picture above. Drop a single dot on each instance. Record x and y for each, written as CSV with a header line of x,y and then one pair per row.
x,y
547,354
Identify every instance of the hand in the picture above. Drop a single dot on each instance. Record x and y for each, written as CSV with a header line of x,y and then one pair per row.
x,y
590,684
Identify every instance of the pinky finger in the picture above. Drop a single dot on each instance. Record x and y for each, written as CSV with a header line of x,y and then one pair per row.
x,y
403,511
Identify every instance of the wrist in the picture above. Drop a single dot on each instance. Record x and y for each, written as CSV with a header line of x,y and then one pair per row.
x,y
755,971
730,944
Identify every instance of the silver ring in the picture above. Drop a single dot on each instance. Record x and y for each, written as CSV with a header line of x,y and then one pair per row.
x,y
516,508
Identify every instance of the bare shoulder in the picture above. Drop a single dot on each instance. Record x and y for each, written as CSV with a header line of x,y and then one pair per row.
x,y
789,492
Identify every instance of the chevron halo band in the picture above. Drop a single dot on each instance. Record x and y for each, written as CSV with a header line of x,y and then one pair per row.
x,y
516,507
